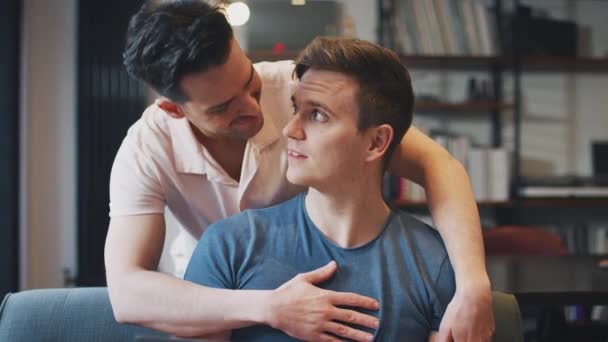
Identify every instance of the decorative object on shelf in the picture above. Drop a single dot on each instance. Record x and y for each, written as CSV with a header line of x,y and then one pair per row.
x,y
537,35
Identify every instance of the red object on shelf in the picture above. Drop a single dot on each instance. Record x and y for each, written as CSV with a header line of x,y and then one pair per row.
x,y
278,48
523,240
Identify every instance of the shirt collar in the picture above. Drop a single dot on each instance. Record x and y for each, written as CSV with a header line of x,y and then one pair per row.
x,y
187,152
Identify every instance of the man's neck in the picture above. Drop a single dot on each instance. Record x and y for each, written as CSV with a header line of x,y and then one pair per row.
x,y
349,218
228,153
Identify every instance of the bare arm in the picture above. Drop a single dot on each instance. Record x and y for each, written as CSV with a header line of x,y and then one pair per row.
x,y
454,211
141,295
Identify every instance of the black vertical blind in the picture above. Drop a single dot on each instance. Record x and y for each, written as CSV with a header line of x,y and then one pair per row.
x,y
109,101
10,32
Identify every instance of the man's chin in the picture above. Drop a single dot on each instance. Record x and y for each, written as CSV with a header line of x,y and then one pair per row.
x,y
295,179
255,128
247,131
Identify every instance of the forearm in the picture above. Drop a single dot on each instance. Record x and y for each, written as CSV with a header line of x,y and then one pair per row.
x,y
454,211
451,201
182,308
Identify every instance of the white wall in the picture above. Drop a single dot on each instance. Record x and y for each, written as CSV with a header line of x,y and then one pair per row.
x,y
48,214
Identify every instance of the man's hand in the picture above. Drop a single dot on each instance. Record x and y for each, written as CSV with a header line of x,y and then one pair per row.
x,y
307,312
469,316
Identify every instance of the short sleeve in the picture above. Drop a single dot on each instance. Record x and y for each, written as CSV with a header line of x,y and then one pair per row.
x,y
135,186
445,286
210,263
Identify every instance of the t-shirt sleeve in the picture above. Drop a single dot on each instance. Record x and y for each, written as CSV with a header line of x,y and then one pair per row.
x,y
210,264
445,286
135,186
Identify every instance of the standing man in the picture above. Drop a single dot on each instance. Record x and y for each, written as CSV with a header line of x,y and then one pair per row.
x,y
211,147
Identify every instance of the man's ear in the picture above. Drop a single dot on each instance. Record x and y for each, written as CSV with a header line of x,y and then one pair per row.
x,y
380,138
171,108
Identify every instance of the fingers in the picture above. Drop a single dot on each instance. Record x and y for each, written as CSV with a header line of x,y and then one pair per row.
x,y
354,317
444,334
348,332
353,300
320,274
327,338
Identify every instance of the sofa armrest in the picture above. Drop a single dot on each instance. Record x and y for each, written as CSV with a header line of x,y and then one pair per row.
x,y
75,314
507,317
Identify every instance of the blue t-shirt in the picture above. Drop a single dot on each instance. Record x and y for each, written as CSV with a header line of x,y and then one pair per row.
x,y
406,268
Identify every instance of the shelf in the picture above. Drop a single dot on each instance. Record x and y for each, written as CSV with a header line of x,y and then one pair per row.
x,y
555,64
450,62
562,202
473,106
270,56
413,61
422,205
522,202
564,64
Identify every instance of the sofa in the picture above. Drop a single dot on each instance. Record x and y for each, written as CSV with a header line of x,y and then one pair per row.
x,y
85,314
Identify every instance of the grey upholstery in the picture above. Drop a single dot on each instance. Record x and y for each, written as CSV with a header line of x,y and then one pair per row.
x,y
76,314
85,314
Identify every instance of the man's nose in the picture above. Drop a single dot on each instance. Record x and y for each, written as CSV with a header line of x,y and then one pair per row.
x,y
250,106
293,129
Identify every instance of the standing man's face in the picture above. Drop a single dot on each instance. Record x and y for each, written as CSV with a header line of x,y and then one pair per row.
x,y
224,101
324,145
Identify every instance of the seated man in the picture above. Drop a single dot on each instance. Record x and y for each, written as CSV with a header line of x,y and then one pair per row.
x,y
352,106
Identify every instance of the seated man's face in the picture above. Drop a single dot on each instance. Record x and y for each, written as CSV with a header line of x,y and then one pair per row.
x,y
324,145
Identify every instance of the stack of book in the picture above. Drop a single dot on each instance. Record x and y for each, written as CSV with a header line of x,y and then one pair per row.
x,y
489,170
444,27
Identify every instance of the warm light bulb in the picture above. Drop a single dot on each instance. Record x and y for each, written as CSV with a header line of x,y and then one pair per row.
x,y
237,13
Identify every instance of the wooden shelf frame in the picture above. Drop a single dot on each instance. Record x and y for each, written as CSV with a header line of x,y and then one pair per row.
x,y
522,202
469,106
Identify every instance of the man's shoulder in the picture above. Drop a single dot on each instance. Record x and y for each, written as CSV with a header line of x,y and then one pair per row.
x,y
151,130
421,234
408,221
422,245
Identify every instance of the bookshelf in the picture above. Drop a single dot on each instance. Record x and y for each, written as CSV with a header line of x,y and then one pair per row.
x,y
441,35
471,57
572,215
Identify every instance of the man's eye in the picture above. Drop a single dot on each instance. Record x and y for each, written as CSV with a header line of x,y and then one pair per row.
x,y
318,116
218,110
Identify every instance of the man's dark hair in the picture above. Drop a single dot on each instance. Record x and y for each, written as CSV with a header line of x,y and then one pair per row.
x,y
385,94
168,40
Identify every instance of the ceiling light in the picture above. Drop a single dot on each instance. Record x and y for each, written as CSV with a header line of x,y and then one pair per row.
x,y
237,13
